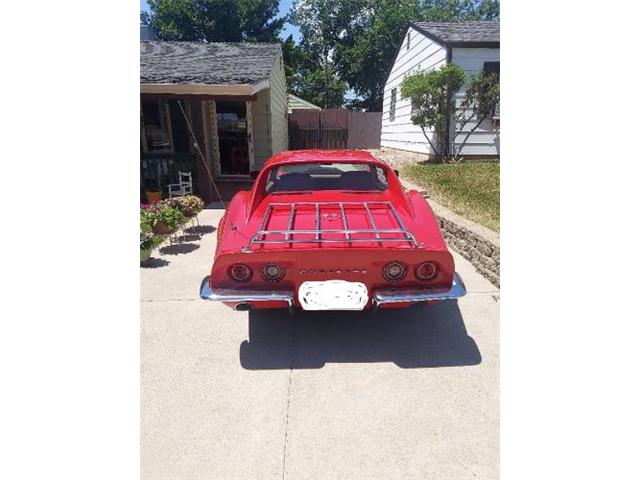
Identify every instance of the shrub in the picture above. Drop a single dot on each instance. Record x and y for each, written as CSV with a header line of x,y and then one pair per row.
x,y
189,205
146,240
162,217
169,217
145,218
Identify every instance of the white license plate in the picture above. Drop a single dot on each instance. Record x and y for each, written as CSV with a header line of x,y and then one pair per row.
x,y
333,295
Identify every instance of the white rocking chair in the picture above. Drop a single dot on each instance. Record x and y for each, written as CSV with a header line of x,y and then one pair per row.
x,y
184,187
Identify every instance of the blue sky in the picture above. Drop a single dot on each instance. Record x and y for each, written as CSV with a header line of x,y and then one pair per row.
x,y
285,5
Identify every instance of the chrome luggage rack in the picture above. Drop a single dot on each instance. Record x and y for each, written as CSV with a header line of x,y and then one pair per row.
x,y
374,234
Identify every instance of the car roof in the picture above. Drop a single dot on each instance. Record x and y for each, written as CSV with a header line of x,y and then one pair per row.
x,y
324,156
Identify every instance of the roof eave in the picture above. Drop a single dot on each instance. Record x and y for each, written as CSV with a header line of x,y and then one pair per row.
x,y
466,44
242,89
473,44
428,34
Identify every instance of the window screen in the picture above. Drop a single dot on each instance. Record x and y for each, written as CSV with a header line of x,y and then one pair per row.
x,y
492,67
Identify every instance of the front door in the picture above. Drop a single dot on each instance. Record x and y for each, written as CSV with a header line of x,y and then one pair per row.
x,y
234,137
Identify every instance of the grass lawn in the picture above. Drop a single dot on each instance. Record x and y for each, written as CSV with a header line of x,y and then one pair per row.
x,y
469,189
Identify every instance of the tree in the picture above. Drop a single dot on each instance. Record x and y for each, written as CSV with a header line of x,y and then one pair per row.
x,y
432,96
461,10
292,58
481,98
367,49
320,86
321,23
216,20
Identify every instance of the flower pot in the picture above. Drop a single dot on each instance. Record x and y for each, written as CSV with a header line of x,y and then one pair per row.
x,y
145,254
153,196
162,229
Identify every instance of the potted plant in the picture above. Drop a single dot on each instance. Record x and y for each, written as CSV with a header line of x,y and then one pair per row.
x,y
146,243
189,205
164,219
153,195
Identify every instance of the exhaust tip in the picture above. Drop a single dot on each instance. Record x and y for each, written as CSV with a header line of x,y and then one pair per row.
x,y
242,307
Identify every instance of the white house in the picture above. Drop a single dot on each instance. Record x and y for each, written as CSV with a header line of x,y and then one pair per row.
x,y
474,46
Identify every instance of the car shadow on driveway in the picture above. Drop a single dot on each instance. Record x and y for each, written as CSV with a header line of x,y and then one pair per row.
x,y
423,336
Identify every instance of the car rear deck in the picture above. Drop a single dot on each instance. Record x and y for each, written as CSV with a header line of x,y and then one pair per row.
x,y
331,224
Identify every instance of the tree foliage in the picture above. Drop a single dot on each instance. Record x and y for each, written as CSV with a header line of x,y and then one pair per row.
x,y
320,86
432,96
366,50
461,10
292,58
321,23
216,20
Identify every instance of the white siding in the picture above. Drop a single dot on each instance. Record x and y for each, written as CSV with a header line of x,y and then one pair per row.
x,y
485,140
423,54
278,109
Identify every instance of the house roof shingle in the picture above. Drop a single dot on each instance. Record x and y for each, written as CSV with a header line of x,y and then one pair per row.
x,y
461,33
206,63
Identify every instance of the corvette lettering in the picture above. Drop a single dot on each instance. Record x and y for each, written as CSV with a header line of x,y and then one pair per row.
x,y
332,272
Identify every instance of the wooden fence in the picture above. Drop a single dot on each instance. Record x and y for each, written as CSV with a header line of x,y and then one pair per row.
x,y
334,128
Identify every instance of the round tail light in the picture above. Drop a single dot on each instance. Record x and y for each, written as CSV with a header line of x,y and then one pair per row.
x,y
272,272
240,272
394,271
426,271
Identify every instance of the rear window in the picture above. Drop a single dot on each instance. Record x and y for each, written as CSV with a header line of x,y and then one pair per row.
x,y
326,176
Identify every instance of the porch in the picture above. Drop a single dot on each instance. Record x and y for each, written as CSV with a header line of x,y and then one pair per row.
x,y
170,126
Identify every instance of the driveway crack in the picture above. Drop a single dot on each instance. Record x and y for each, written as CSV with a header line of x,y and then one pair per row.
x,y
286,422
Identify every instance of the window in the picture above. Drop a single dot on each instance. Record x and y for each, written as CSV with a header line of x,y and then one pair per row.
x,y
301,177
180,135
156,126
392,108
408,40
492,67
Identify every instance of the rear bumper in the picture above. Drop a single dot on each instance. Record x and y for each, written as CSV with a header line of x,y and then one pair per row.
x,y
401,295
380,297
229,295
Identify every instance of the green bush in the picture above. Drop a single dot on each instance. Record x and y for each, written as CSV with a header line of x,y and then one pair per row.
x,y
172,218
189,205
146,240
161,213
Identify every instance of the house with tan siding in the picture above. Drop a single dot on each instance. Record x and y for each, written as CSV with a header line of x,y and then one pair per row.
x,y
474,46
297,103
210,107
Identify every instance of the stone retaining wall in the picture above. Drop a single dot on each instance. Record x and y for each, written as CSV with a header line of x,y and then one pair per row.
x,y
480,251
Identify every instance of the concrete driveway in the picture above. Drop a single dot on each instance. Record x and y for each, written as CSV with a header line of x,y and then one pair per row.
x,y
225,394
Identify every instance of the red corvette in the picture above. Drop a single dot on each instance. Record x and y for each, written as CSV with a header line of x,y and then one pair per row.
x,y
329,230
